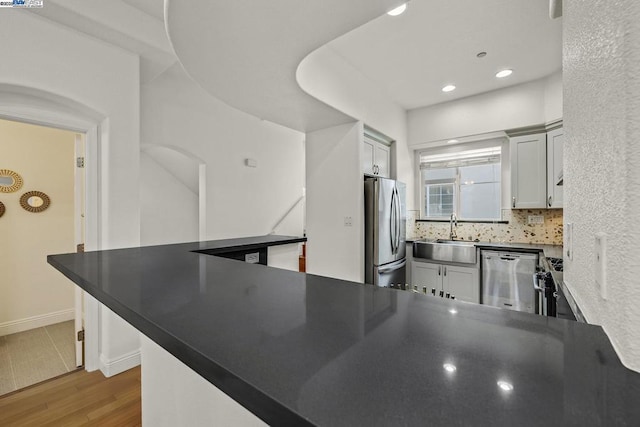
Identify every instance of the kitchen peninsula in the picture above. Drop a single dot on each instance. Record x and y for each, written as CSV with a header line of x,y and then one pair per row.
x,y
300,349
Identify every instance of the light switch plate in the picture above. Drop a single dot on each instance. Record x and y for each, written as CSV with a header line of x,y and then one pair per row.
x,y
535,219
601,263
568,241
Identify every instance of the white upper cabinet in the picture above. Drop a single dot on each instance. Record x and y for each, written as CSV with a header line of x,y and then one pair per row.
x,y
376,158
555,139
368,156
529,171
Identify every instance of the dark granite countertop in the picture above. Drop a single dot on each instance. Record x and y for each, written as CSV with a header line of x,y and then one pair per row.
x,y
300,349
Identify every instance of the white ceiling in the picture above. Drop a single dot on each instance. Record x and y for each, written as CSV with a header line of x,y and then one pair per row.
x,y
154,8
411,56
435,42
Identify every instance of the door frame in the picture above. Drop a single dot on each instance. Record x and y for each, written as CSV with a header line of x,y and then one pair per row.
x,y
38,107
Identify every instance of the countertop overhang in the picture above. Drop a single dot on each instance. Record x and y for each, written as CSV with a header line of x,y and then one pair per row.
x,y
303,349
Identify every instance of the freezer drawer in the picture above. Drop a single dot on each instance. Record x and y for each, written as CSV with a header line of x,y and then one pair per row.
x,y
390,274
506,280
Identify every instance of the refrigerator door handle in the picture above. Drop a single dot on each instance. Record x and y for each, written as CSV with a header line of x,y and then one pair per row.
x,y
394,267
392,221
397,224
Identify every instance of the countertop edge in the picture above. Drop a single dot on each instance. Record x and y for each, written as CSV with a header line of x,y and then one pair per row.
x,y
254,400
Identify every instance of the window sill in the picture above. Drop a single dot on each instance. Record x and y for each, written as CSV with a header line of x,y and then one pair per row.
x,y
465,220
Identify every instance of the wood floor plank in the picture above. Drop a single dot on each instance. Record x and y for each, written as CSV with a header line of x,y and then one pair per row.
x,y
76,399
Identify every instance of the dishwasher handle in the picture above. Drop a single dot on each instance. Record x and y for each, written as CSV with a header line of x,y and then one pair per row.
x,y
536,281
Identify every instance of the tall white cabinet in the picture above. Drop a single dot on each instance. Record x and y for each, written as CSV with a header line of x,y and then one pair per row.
x,y
529,171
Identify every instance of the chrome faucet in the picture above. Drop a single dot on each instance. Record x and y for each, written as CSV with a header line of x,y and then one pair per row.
x,y
453,221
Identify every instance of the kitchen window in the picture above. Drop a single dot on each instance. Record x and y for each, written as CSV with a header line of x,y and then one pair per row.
x,y
466,183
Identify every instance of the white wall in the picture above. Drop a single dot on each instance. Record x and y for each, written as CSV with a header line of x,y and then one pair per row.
x,y
105,79
169,207
327,76
174,395
528,104
601,61
32,294
240,200
335,190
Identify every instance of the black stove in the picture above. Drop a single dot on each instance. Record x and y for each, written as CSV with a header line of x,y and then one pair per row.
x,y
555,263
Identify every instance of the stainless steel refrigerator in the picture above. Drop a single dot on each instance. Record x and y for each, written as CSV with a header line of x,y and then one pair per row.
x,y
385,218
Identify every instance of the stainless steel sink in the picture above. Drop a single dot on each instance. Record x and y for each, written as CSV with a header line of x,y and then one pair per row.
x,y
445,250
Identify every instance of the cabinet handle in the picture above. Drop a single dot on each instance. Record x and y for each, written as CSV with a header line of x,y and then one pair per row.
x,y
439,269
513,202
549,201
445,271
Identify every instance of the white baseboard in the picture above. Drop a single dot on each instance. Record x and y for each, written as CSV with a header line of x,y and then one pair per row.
x,y
33,322
111,367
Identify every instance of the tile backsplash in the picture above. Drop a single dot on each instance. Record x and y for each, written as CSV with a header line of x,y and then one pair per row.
x,y
517,230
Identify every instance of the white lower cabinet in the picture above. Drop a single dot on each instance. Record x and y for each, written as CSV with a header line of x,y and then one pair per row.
x,y
462,282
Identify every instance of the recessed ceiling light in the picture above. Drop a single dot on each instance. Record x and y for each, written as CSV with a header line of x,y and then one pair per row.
x,y
505,385
448,88
452,141
449,367
481,54
503,73
398,10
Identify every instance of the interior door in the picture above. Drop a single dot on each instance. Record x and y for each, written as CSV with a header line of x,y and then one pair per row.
x,y
80,227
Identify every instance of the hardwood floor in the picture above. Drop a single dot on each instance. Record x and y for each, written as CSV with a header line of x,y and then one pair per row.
x,y
76,399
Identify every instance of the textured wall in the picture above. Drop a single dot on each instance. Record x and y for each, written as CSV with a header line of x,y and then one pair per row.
x,y
516,231
601,62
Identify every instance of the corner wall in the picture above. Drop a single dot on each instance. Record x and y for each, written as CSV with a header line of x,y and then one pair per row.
x,y
601,63
335,189
329,77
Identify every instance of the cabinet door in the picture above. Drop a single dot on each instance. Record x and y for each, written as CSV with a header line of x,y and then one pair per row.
x,y
529,171
463,282
368,156
555,139
382,160
427,276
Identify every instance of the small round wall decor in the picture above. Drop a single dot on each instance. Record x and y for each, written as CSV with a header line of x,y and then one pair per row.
x,y
34,201
10,181
2,209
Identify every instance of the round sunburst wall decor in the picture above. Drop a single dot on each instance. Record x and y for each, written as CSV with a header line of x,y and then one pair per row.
x,y
34,201
2,209
10,181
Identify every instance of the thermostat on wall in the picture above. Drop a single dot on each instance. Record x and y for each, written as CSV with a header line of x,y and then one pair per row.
x,y
252,163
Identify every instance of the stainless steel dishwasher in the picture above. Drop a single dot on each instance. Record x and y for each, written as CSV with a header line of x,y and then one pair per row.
x,y
507,278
